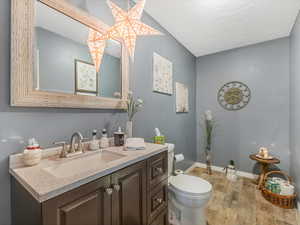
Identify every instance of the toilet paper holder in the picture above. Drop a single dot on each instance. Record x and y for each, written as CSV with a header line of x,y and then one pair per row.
x,y
177,158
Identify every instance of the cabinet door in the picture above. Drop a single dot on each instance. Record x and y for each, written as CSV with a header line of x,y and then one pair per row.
x,y
162,219
89,204
129,197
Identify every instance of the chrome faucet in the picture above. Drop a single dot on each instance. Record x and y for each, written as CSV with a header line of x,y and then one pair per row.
x,y
74,147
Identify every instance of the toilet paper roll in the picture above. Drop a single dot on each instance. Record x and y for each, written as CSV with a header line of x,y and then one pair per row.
x,y
179,158
178,172
287,189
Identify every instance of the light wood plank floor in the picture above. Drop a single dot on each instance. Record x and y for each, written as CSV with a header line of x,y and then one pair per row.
x,y
240,203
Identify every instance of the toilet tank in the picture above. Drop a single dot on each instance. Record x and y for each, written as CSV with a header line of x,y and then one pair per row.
x,y
171,148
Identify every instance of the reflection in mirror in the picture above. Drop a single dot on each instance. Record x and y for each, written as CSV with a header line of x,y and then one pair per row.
x,y
99,8
63,61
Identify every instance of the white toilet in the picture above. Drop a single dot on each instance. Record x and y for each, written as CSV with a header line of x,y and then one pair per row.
x,y
188,196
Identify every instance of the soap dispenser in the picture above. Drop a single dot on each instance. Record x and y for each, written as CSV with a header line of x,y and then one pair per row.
x,y
104,142
94,144
119,137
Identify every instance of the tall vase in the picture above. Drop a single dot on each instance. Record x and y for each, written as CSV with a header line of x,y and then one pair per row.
x,y
208,161
129,129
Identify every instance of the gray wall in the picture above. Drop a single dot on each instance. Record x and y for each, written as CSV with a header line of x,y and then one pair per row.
x,y
57,56
265,121
295,103
47,125
160,109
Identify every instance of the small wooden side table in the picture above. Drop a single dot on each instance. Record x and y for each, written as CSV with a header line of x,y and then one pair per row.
x,y
265,163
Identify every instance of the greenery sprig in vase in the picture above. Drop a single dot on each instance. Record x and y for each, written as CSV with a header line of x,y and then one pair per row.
x,y
133,106
209,125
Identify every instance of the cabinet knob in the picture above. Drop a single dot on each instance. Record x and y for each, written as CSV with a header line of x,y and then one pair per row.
x,y
159,169
159,200
117,187
109,191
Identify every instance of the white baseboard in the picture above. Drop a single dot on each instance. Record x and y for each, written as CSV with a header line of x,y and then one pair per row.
x,y
220,169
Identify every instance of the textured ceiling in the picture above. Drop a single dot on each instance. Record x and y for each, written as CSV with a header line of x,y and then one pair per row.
x,y
209,26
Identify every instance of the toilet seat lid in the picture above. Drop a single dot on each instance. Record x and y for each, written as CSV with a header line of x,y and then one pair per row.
x,y
190,184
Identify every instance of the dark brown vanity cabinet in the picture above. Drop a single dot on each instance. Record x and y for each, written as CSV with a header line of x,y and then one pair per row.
x,y
135,195
89,204
130,207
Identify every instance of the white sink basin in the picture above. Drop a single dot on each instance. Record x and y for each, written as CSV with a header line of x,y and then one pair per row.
x,y
63,168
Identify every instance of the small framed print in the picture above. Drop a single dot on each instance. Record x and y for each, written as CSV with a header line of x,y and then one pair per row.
x,y
182,98
86,78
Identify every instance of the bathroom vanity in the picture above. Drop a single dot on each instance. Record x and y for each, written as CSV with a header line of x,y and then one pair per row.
x,y
113,187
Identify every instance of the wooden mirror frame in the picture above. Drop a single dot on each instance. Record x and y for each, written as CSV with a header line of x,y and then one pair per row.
x,y
23,93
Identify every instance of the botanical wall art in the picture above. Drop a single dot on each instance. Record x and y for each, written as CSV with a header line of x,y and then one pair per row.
x,y
162,75
234,96
182,98
86,78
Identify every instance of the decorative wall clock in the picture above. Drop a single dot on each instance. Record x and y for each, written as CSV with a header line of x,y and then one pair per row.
x,y
234,96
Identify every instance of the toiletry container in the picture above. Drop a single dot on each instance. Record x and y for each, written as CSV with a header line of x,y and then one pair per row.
x,y
32,155
94,144
159,138
119,137
104,142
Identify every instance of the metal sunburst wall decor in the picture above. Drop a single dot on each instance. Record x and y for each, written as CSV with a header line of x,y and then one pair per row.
x,y
234,96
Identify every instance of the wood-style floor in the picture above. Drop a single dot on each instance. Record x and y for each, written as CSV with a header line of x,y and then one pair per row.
x,y
240,203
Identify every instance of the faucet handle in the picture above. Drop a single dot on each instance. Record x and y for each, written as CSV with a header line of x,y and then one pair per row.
x,y
85,139
84,146
63,153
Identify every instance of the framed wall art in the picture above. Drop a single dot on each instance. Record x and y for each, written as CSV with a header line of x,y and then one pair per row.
x,y
182,98
86,78
162,75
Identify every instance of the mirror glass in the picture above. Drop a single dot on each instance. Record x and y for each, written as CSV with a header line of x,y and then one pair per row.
x,y
63,62
100,8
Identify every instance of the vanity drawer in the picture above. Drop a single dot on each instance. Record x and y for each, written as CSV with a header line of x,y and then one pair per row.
x,y
158,200
157,169
162,219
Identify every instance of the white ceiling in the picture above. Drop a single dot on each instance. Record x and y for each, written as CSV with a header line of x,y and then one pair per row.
x,y
209,26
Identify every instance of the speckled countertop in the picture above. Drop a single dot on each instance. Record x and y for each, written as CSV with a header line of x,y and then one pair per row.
x,y
54,176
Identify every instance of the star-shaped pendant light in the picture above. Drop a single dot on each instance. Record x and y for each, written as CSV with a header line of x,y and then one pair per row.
x,y
127,27
96,43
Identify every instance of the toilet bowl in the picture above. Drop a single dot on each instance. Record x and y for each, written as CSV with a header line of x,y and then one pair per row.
x,y
188,197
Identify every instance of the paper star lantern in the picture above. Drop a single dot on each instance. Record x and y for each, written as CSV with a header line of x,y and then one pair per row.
x,y
96,43
128,25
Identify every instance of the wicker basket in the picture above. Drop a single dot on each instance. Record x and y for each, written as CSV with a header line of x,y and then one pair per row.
x,y
283,201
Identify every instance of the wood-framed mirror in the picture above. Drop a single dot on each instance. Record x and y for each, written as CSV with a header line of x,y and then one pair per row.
x,y
51,65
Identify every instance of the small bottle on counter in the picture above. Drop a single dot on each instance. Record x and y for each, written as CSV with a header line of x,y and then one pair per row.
x,y
94,144
104,142
32,155
119,137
